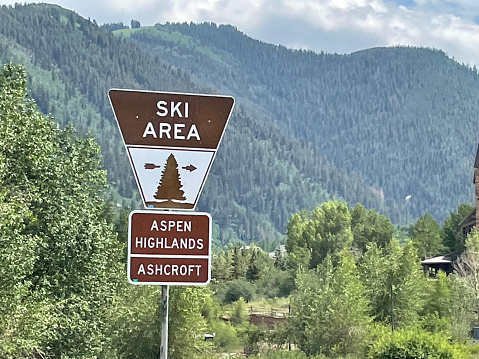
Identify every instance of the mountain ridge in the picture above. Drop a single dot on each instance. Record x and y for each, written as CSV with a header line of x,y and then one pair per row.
x,y
261,174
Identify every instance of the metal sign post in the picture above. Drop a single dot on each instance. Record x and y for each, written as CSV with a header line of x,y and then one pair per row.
x,y
164,322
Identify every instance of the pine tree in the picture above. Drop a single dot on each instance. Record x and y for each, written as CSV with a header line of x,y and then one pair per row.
x,y
237,264
170,183
279,261
252,273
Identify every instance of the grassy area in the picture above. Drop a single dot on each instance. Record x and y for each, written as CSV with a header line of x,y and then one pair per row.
x,y
172,36
275,305
127,32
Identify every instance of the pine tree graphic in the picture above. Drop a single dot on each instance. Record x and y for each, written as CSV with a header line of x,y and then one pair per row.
x,y
170,182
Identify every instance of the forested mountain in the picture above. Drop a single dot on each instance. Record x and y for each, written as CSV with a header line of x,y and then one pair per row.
x,y
63,291
403,118
262,173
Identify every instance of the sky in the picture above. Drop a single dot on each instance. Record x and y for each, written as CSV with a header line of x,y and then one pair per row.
x,y
332,26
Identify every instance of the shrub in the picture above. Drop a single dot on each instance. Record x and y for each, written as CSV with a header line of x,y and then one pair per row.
x,y
239,313
226,338
239,288
414,343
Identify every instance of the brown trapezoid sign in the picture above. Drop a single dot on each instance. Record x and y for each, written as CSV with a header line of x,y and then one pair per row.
x,y
171,119
176,134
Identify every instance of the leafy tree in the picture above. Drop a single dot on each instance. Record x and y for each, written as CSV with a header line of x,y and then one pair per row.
x,y
369,226
327,230
137,323
451,235
239,313
437,310
135,24
330,309
427,237
22,321
439,300
138,315
239,288
275,283
70,271
187,323
253,337
467,267
395,283
23,315
462,308
226,337
299,252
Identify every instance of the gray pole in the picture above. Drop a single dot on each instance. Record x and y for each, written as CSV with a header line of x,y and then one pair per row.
x,y
392,309
164,323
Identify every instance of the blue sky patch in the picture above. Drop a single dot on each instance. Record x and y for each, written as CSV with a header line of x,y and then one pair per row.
x,y
407,3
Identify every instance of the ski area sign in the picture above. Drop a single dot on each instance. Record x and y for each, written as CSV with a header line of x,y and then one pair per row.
x,y
169,248
171,140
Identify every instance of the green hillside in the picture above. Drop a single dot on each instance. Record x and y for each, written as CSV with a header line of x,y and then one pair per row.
x,y
262,173
403,118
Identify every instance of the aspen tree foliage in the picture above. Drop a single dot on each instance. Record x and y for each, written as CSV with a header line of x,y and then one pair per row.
x,y
330,308
312,236
427,237
395,283
58,256
186,324
467,269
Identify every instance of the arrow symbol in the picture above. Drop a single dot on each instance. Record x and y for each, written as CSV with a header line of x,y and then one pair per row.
x,y
190,168
151,166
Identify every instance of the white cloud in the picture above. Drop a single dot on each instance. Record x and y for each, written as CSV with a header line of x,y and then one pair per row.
x,y
389,24
329,25
218,11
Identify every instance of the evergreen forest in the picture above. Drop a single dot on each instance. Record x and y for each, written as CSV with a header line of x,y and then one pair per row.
x,y
402,118
337,175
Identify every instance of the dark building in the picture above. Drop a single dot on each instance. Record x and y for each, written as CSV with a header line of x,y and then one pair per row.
x,y
445,263
471,220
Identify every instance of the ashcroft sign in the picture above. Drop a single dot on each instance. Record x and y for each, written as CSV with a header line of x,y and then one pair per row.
x,y
169,248
171,140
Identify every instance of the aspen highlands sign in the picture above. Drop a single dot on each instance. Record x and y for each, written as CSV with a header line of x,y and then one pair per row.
x,y
171,140
169,248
